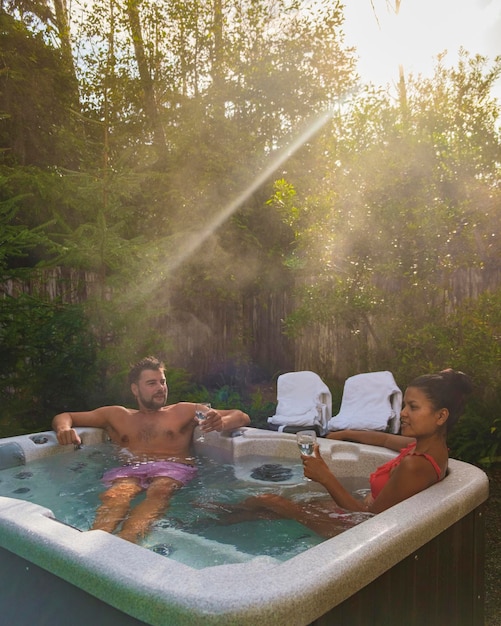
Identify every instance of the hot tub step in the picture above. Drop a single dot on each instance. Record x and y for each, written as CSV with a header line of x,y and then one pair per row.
x,y
193,550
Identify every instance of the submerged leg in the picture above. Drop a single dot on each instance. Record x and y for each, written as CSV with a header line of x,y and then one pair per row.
x,y
115,504
154,505
248,510
314,516
228,515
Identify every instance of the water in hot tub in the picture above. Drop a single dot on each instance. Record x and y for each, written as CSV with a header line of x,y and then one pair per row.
x,y
69,485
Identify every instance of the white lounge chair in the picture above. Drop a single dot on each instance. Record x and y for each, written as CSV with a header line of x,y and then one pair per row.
x,y
303,402
371,401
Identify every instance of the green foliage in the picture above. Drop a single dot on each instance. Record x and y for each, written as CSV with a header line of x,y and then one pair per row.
x,y
48,359
476,438
36,94
141,181
403,203
260,410
469,340
18,242
227,397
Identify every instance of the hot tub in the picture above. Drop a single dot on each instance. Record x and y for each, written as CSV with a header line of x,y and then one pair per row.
x,y
420,562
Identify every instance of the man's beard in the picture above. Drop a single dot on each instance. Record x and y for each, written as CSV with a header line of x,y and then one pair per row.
x,y
156,402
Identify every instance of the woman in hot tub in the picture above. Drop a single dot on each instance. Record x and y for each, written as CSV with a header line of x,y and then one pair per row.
x,y
432,405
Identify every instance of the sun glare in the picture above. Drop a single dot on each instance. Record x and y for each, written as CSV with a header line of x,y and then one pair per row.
x,y
420,31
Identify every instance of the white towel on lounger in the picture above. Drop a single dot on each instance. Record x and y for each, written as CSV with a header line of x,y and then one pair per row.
x,y
371,401
303,400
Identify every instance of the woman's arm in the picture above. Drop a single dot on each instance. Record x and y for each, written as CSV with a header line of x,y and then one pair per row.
x,y
316,469
411,476
372,438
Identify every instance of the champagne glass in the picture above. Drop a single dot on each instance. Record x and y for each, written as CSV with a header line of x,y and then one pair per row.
x,y
201,411
306,440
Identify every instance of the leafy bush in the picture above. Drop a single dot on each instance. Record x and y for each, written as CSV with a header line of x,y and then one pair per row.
x,y
476,438
469,340
48,362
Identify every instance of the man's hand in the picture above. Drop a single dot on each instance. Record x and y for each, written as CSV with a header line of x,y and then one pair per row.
x,y
66,436
214,421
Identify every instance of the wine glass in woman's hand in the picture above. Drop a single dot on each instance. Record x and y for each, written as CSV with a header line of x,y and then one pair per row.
x,y
306,440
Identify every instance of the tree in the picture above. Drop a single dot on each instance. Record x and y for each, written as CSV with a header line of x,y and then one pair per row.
x,y
402,208
35,99
150,104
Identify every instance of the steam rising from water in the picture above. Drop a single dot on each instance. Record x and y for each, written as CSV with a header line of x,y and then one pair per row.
x,y
192,241
164,260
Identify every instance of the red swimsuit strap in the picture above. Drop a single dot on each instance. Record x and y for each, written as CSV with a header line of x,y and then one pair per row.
x,y
428,457
381,475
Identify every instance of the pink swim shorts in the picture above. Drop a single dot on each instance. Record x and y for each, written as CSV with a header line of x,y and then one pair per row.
x,y
145,472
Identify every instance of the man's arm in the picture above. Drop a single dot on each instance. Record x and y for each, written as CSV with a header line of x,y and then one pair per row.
x,y
225,419
63,423
234,418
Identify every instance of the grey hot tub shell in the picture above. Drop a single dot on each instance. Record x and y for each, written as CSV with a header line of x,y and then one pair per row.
x,y
395,567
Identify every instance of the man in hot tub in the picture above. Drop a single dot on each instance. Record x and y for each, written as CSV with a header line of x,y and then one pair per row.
x,y
156,440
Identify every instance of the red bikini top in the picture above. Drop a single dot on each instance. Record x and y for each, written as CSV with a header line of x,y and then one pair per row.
x,y
380,477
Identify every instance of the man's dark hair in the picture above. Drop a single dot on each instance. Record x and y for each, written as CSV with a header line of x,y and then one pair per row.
x,y
148,363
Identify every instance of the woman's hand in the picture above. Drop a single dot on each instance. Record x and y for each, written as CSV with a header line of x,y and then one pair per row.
x,y
315,467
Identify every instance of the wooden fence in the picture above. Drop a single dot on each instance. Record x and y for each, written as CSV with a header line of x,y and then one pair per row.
x,y
229,342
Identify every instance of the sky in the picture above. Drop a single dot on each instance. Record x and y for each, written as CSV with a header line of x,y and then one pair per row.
x,y
421,30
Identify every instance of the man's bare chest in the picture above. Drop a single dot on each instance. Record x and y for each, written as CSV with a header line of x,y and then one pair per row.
x,y
146,432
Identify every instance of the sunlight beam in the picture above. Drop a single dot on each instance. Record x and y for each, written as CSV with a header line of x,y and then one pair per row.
x,y
196,239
